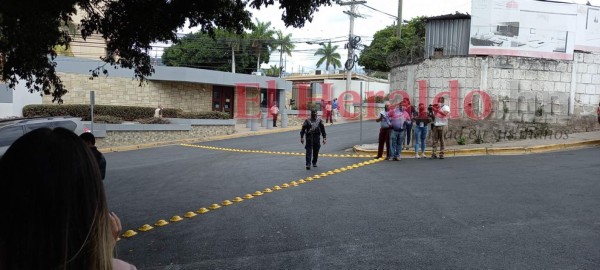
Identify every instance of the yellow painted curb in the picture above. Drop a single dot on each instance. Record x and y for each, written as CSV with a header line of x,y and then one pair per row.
x,y
468,152
506,150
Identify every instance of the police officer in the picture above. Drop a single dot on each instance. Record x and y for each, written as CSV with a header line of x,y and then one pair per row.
x,y
313,128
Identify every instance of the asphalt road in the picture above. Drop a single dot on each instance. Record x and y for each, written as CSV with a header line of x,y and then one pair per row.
x,y
492,212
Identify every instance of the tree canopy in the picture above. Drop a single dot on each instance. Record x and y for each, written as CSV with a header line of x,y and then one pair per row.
x,y
200,50
31,30
386,43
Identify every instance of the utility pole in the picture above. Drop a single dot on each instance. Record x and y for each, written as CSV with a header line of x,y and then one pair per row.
x,y
399,19
351,44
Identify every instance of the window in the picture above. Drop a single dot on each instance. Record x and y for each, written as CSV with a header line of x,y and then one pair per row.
x,y
10,134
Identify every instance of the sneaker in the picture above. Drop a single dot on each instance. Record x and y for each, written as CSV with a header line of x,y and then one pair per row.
x,y
424,157
308,167
433,156
417,156
395,159
441,156
315,165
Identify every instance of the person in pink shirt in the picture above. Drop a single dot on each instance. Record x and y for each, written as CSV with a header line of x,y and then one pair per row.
x,y
274,112
328,113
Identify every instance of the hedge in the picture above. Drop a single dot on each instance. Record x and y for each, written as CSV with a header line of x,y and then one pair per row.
x,y
127,113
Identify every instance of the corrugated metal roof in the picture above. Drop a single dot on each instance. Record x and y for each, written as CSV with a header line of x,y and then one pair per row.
x,y
451,35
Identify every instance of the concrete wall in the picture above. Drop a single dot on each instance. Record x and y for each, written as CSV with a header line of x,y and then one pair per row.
x,y
519,87
128,137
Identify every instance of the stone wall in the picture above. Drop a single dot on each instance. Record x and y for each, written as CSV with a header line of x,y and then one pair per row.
x,y
521,89
190,97
123,138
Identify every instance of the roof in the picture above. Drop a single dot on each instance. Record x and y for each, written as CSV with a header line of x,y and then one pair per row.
x,y
322,77
455,16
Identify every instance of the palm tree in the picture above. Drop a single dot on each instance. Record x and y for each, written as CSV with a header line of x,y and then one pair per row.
x,y
273,71
262,36
234,41
285,46
330,57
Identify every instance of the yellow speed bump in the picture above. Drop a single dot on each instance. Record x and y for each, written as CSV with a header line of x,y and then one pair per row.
x,y
309,179
285,185
161,223
337,171
349,167
257,193
277,188
248,196
267,190
190,215
176,219
343,169
330,173
316,176
226,203
214,206
294,183
129,233
355,166
203,210
323,174
145,228
301,181
238,199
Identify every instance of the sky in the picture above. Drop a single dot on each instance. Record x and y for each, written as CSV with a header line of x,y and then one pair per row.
x,y
331,23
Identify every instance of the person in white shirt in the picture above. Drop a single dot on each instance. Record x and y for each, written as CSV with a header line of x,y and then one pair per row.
x,y
158,112
440,126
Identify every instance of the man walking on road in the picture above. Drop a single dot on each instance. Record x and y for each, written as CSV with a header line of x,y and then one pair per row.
x,y
440,125
312,128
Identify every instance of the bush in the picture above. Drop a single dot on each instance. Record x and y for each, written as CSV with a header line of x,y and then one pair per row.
x,y
107,119
203,115
125,113
153,120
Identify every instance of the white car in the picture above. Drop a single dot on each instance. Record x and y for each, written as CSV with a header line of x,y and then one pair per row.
x,y
12,129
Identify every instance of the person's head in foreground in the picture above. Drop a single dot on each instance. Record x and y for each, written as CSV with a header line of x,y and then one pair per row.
x,y
53,205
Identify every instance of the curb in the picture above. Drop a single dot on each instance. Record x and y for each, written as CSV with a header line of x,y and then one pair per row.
x,y
195,140
496,151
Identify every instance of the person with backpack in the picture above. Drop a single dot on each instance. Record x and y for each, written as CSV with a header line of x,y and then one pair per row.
x,y
398,120
313,128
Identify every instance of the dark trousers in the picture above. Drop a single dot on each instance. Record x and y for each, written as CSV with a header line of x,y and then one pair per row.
x,y
384,138
312,151
408,133
275,120
328,117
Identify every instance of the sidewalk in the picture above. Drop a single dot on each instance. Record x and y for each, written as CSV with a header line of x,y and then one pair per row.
x,y
240,131
520,147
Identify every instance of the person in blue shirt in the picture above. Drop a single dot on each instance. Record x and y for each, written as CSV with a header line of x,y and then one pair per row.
x,y
335,109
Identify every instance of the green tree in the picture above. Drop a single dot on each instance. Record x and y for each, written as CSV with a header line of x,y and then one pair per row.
x,y
262,41
200,50
385,43
329,56
285,45
30,30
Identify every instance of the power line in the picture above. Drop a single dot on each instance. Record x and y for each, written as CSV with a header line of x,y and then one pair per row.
x,y
395,17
